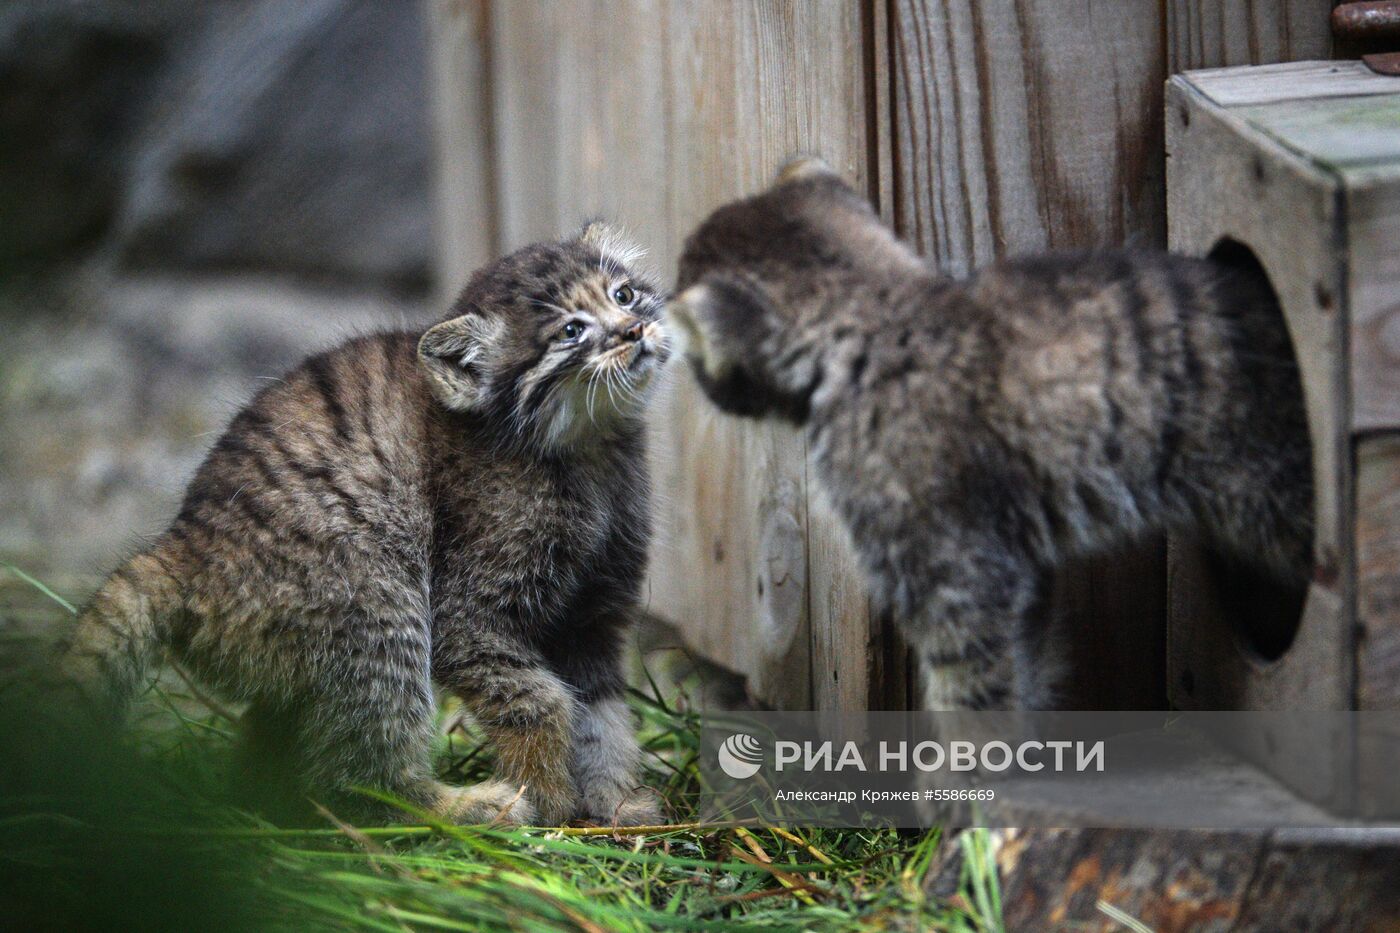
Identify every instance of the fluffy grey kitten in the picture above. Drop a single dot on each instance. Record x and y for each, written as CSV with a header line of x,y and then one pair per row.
x,y
975,434
461,506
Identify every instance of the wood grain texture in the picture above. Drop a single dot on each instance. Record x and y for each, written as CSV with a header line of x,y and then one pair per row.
x,y
461,97
1217,33
525,85
1373,214
1184,881
1378,572
1026,126
1288,81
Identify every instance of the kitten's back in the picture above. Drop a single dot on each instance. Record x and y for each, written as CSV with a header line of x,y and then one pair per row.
x,y
322,444
312,497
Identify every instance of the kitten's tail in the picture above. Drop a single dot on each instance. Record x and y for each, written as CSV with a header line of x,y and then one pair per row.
x,y
118,635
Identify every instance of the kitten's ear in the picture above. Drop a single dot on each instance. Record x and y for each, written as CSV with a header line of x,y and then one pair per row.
x,y
720,318
735,339
802,168
693,315
612,241
453,355
597,232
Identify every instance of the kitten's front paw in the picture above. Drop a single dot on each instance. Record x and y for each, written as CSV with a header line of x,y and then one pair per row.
x,y
555,799
640,807
489,802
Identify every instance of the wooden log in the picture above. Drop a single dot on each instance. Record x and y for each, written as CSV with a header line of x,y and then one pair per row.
x,y
1189,881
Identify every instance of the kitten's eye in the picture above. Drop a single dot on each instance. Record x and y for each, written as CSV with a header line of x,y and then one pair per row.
x,y
624,295
573,330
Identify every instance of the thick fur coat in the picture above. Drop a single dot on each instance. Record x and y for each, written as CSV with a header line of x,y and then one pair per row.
x,y
462,507
975,434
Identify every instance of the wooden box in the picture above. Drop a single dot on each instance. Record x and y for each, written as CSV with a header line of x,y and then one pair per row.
x,y
1300,164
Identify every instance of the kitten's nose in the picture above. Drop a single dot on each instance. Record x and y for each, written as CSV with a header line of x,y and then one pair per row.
x,y
633,332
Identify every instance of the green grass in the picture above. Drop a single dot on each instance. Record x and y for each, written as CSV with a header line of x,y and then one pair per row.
x,y
136,831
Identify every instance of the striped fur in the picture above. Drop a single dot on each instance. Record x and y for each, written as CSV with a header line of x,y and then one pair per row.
x,y
464,507
974,435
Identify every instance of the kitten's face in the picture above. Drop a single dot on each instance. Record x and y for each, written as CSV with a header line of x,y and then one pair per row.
x,y
560,341
752,277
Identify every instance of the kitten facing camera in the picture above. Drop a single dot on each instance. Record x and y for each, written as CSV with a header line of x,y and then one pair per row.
x,y
974,435
462,507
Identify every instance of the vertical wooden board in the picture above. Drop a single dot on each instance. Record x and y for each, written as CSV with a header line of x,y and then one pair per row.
x,y
461,93
858,661
529,91
1373,235
1378,572
1373,214
831,63
1216,33
750,85
612,122
1026,126
893,670
1021,127
580,119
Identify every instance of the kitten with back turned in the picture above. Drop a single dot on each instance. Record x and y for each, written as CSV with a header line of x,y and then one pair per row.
x,y
974,435
465,506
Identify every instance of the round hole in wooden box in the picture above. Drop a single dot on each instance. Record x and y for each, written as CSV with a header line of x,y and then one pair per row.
x,y
1263,611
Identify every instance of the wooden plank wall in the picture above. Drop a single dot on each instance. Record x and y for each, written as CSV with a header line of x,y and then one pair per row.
x,y
981,128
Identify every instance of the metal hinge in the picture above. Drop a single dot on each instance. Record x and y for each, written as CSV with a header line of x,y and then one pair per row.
x,y
1370,22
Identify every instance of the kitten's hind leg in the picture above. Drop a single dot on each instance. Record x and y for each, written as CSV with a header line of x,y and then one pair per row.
x,y
973,632
963,671
364,718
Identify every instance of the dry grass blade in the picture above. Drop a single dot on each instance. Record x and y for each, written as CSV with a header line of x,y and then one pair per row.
x,y
653,830
500,818
796,840
798,886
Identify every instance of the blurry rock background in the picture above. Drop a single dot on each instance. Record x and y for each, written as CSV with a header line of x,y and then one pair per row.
x,y
193,195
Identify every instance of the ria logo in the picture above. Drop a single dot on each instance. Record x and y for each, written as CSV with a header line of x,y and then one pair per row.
x,y
740,756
